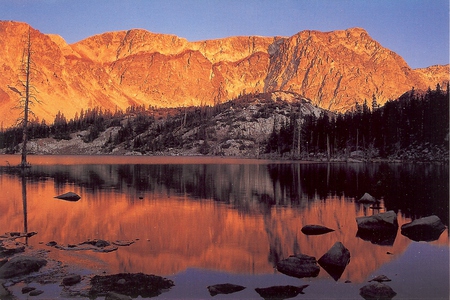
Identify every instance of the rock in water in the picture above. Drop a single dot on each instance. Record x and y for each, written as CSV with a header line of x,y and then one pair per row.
x,y
21,265
335,260
377,290
315,229
380,278
71,280
70,196
131,284
299,266
379,229
367,198
116,296
424,229
225,288
280,292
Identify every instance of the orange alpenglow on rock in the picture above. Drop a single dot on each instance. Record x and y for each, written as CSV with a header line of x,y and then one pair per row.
x,y
136,67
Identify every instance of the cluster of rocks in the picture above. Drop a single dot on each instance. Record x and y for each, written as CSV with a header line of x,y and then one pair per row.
x,y
382,228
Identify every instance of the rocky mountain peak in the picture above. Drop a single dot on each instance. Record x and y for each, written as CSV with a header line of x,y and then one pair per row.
x,y
114,70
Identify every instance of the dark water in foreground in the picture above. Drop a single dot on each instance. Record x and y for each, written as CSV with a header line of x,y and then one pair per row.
x,y
204,221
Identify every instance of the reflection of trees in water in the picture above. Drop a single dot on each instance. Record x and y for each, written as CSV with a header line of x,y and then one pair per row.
x,y
415,189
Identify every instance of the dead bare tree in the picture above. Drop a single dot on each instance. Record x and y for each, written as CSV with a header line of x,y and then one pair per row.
x,y
27,96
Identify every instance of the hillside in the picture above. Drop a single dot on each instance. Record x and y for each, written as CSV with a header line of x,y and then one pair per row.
x,y
116,70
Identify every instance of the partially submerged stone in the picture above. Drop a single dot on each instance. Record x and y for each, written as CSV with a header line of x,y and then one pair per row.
x,y
21,265
367,198
335,260
424,229
299,266
315,229
70,196
71,280
224,288
380,278
377,290
379,229
280,292
116,296
133,285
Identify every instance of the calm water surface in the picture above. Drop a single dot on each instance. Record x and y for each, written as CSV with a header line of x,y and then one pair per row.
x,y
204,221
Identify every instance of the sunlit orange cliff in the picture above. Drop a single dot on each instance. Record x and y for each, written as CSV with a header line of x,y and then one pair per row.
x,y
115,70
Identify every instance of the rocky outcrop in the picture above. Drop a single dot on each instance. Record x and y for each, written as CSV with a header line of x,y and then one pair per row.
x,y
423,229
299,266
136,67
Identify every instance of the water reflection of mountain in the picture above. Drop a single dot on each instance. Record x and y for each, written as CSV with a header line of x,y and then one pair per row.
x,y
415,189
251,218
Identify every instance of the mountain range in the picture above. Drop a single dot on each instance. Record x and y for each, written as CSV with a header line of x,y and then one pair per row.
x,y
116,70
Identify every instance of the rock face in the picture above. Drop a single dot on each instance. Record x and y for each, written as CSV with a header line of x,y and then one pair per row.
x,y
21,265
299,266
424,229
377,290
315,229
137,67
335,260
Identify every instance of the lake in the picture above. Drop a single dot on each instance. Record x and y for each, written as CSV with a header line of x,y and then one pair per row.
x,y
202,221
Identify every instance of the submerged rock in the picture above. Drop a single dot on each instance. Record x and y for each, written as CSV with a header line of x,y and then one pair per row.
x,y
116,296
335,260
380,278
379,229
21,265
299,266
225,288
70,196
367,198
315,229
132,284
280,292
377,290
424,229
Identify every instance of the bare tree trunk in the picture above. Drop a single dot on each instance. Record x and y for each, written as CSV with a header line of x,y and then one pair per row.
x,y
26,103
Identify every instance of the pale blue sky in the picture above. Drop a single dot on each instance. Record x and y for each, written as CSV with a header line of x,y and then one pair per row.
x,y
418,30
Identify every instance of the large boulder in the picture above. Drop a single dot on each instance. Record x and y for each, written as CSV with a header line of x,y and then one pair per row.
x,y
299,266
379,229
315,229
21,265
280,292
335,260
377,290
224,288
424,229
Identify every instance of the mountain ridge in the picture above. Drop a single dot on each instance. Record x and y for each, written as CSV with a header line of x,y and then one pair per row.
x,y
118,69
